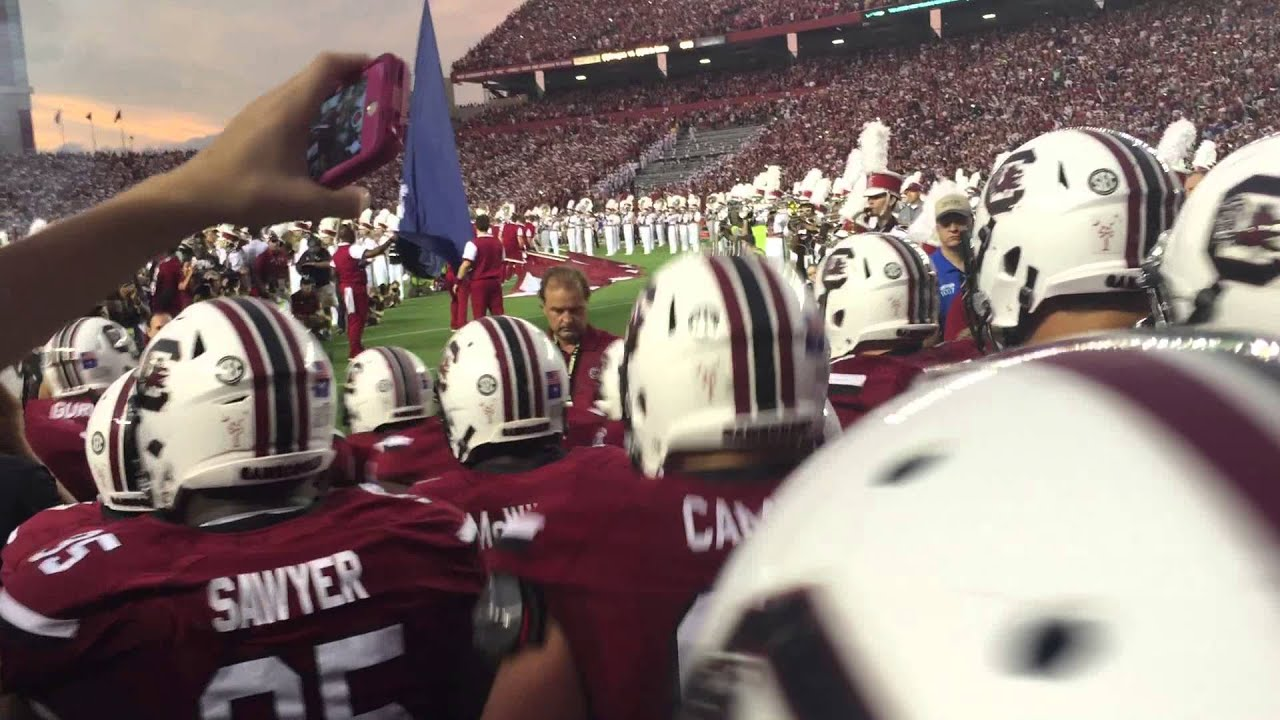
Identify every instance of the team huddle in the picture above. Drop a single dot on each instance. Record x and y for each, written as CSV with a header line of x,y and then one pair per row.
x,y
813,506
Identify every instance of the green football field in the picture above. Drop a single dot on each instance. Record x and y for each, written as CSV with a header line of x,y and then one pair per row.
x,y
421,325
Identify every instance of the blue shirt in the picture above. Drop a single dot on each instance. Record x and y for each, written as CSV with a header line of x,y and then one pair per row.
x,y
950,283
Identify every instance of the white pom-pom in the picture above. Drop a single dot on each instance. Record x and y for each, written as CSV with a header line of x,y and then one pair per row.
x,y
1175,145
874,143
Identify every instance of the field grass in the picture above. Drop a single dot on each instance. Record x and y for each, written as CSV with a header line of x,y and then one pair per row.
x,y
421,325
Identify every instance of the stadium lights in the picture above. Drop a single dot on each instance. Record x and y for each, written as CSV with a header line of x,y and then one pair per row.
x,y
838,41
686,44
704,61
919,5
579,78
877,13
989,16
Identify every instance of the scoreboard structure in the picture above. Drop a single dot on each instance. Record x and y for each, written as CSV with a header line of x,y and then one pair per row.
x,y
16,134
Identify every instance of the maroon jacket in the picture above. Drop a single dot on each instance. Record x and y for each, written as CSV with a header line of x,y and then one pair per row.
x,y
210,618
411,454
584,382
861,383
622,562
165,295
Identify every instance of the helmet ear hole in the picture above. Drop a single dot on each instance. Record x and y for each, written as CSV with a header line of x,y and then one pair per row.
x,y
1011,260
838,318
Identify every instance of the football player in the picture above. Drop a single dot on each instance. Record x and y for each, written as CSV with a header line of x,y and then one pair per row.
x,y
245,589
391,412
594,594
920,565
78,363
1220,265
119,494
502,385
879,295
1070,218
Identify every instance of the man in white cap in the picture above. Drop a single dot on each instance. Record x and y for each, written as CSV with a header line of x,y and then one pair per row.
x,y
883,189
955,227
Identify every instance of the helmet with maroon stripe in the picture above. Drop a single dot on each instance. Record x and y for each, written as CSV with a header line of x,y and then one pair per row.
x,y
233,392
500,380
877,288
387,385
111,461
1071,213
1220,265
86,355
902,573
722,355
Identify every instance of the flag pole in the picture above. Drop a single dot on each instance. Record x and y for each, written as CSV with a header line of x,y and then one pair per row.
x,y
63,130
93,134
122,148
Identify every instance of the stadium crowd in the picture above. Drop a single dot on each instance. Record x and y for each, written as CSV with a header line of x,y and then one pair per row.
x,y
541,30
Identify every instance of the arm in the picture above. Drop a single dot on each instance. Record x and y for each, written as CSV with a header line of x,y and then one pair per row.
x,y
254,174
380,250
538,683
463,269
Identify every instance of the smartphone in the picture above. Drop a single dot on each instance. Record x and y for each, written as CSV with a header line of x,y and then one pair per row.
x,y
360,127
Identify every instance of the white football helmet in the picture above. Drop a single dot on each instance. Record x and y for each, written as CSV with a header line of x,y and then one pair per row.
x,y
87,354
113,462
875,288
387,385
608,395
1220,265
752,370
902,573
11,381
1072,212
500,380
231,393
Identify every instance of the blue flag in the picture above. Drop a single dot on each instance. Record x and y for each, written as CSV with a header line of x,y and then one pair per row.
x,y
435,204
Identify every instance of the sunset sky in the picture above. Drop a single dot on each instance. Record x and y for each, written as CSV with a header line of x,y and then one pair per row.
x,y
179,69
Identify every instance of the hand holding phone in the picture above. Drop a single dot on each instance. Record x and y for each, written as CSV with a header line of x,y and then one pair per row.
x,y
360,127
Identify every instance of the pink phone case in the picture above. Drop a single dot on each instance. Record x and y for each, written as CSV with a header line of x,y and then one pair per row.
x,y
382,137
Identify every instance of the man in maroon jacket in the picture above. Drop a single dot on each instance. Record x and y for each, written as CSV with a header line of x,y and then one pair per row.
x,y
483,265
511,233
564,295
166,296
349,260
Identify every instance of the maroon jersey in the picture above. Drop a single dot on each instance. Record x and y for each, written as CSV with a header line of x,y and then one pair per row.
x,y
359,446
408,455
589,428
271,266
512,236
360,605
622,562
488,263
304,304
861,383
165,296
46,528
349,266
55,431
947,353
584,366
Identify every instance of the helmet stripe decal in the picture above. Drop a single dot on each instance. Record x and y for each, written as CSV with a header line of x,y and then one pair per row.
x,y
283,376
737,335
762,337
72,359
398,399
300,387
523,384
539,385
1147,179
252,353
504,367
115,455
912,270
1216,429
1134,205
412,379
785,342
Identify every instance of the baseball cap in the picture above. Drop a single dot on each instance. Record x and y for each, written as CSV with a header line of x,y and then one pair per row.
x,y
953,204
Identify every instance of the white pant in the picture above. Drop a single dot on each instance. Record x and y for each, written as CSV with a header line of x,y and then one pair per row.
x,y
381,270
691,239
575,239
629,238
589,240
660,234
674,237
646,238
611,239
775,246
553,236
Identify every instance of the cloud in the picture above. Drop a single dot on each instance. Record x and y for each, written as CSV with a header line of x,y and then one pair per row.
x,y
192,63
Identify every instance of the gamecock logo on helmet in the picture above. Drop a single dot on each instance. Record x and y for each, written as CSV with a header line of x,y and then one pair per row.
x,y
1245,245
1007,185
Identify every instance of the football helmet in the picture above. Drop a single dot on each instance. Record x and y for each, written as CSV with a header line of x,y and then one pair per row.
x,y
500,380
233,392
387,385
11,382
752,370
877,287
1072,212
112,462
608,400
87,354
901,573
1220,265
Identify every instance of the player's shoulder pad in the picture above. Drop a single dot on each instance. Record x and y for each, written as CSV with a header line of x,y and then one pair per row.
x,y
510,615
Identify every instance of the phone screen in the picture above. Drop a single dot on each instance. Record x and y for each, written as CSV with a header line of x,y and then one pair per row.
x,y
335,136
